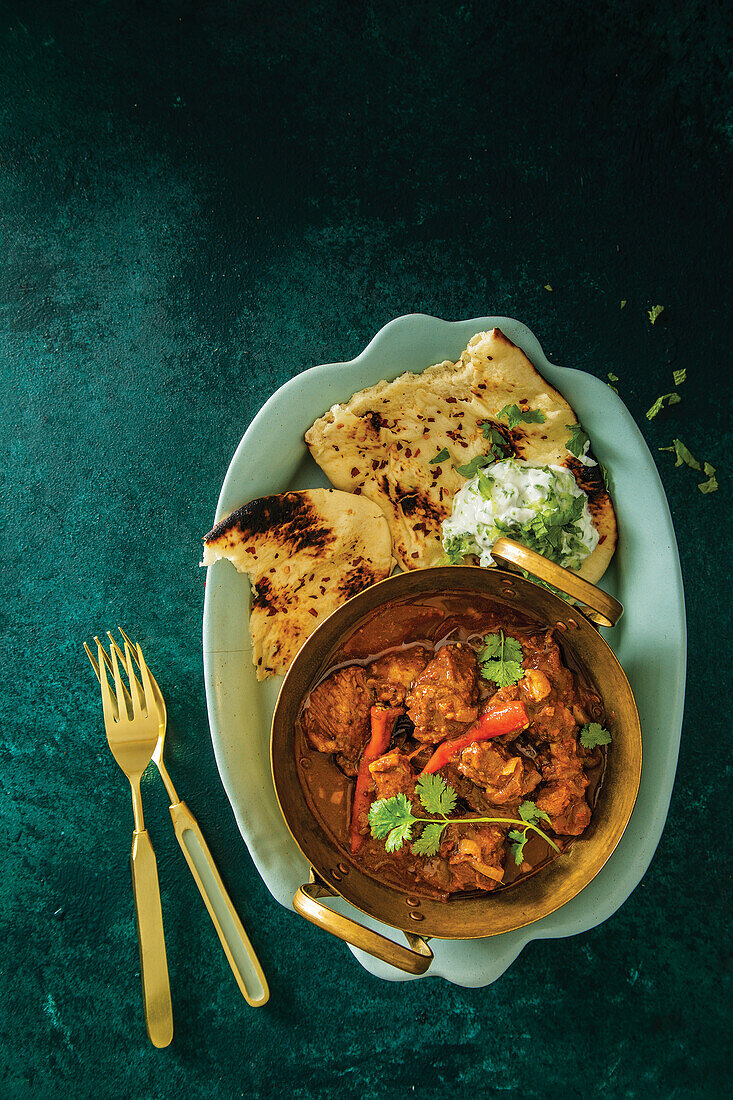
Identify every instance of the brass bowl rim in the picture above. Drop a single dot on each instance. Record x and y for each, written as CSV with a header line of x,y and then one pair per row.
x,y
563,607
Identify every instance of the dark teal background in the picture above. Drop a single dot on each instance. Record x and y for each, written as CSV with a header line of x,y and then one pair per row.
x,y
200,200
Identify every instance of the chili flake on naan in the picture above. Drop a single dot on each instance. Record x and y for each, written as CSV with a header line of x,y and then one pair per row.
x,y
383,444
305,554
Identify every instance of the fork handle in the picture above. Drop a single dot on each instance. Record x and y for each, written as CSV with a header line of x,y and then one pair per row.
x,y
153,962
234,939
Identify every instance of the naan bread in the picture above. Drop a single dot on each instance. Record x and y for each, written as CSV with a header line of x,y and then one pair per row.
x,y
305,553
380,444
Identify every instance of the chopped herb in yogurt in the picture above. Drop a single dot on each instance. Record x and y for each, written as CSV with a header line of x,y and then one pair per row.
x,y
540,506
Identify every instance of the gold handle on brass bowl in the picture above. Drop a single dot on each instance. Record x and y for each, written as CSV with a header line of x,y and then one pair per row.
x,y
598,606
414,959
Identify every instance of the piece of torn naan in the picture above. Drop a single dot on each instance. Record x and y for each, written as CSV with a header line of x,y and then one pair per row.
x,y
305,554
383,442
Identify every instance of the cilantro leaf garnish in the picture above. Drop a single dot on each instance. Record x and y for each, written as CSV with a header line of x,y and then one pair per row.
x,y
440,457
531,813
654,312
470,469
392,820
671,399
388,814
682,455
499,446
517,840
428,843
605,476
679,376
577,441
711,484
514,415
501,659
592,735
435,794
456,548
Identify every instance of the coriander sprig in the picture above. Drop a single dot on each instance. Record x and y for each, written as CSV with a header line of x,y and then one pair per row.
x,y
501,660
392,820
593,735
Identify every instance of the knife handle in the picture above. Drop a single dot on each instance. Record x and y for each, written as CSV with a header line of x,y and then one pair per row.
x,y
234,939
153,962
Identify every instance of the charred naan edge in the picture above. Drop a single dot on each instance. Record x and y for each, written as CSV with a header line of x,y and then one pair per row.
x,y
380,444
305,554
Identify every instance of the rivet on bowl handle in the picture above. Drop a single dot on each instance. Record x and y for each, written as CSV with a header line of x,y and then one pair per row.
x,y
414,959
596,604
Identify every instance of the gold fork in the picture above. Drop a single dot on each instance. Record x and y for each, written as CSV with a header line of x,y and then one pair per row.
x,y
237,947
131,723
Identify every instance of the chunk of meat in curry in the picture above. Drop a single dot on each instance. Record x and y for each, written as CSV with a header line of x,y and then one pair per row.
x,y
505,778
391,676
393,775
443,698
337,716
563,793
470,857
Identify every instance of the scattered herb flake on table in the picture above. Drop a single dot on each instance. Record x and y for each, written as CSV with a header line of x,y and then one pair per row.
x,y
670,398
654,312
679,376
682,455
711,484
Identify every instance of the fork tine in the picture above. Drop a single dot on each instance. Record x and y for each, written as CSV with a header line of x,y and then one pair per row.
x,y
93,660
110,666
136,692
96,666
120,687
147,681
104,654
107,705
134,646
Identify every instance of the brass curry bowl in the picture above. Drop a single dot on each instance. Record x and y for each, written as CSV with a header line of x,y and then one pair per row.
x,y
463,917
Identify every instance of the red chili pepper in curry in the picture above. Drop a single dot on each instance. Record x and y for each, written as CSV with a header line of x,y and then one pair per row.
x,y
382,724
495,722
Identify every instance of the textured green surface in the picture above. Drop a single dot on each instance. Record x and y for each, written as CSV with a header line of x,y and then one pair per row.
x,y
199,201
